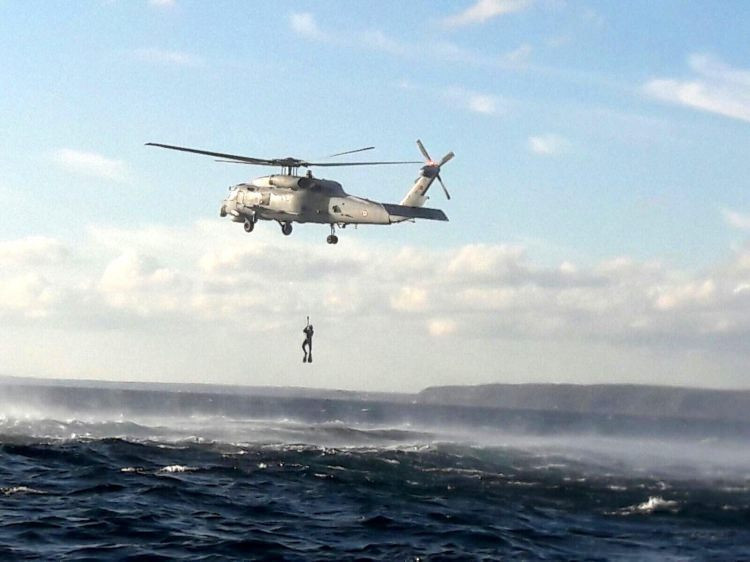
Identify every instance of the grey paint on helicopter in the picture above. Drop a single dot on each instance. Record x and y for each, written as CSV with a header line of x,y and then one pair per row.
x,y
288,197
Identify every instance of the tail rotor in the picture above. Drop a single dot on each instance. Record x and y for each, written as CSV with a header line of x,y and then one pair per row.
x,y
431,169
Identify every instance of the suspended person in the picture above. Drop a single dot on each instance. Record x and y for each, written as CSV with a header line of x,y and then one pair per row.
x,y
307,344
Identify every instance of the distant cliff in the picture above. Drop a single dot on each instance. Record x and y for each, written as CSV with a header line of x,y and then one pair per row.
x,y
625,399
641,401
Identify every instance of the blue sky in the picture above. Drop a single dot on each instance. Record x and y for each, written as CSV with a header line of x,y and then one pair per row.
x,y
590,137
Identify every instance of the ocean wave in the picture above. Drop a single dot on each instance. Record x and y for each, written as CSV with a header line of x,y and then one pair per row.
x,y
189,498
20,490
177,468
654,504
132,469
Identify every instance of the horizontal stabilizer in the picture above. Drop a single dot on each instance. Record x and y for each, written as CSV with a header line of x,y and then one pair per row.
x,y
407,212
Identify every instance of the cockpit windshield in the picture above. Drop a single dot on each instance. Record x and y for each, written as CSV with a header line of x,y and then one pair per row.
x,y
232,193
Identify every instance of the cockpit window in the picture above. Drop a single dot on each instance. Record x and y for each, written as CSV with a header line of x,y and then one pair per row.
x,y
233,194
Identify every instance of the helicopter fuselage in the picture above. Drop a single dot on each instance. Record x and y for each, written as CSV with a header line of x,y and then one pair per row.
x,y
303,199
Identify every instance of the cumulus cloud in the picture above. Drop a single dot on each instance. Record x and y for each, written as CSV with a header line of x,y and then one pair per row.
x,y
674,296
548,144
410,299
32,250
29,294
203,273
91,164
439,327
212,280
716,87
139,284
484,10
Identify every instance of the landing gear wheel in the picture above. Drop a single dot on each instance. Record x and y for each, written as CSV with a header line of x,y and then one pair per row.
x,y
249,225
332,238
286,228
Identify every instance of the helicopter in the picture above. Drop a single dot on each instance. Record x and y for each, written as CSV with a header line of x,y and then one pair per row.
x,y
289,197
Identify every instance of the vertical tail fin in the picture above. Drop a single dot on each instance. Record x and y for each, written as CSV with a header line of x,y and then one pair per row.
x,y
429,173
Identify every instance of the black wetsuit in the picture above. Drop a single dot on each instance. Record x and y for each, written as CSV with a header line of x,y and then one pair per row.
x,y
307,344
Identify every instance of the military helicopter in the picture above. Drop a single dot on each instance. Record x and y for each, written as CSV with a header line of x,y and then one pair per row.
x,y
288,197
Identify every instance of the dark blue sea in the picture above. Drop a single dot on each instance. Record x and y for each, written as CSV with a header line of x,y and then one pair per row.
x,y
89,475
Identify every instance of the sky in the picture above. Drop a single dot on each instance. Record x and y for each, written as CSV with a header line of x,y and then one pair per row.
x,y
599,221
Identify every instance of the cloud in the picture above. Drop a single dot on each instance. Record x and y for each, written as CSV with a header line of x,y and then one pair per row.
x,y
548,144
518,57
486,104
304,24
484,10
379,41
32,250
162,3
684,294
202,274
154,55
139,284
736,220
91,164
410,299
440,327
484,260
29,294
715,88
237,298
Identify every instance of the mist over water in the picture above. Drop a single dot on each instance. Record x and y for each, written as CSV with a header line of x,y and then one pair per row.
x,y
95,473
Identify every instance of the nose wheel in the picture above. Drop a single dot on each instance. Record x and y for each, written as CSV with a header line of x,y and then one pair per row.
x,y
249,225
286,228
332,238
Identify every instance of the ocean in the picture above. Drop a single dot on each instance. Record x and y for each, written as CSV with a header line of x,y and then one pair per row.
x,y
91,474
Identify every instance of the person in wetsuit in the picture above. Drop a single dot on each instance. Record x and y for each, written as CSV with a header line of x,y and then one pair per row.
x,y
307,344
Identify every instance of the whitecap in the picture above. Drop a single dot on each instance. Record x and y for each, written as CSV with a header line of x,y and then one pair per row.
x,y
654,504
177,468
20,490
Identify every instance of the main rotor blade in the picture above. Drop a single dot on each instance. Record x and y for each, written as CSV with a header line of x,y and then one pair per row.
x,y
330,164
448,195
284,162
350,151
423,150
234,157
446,158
